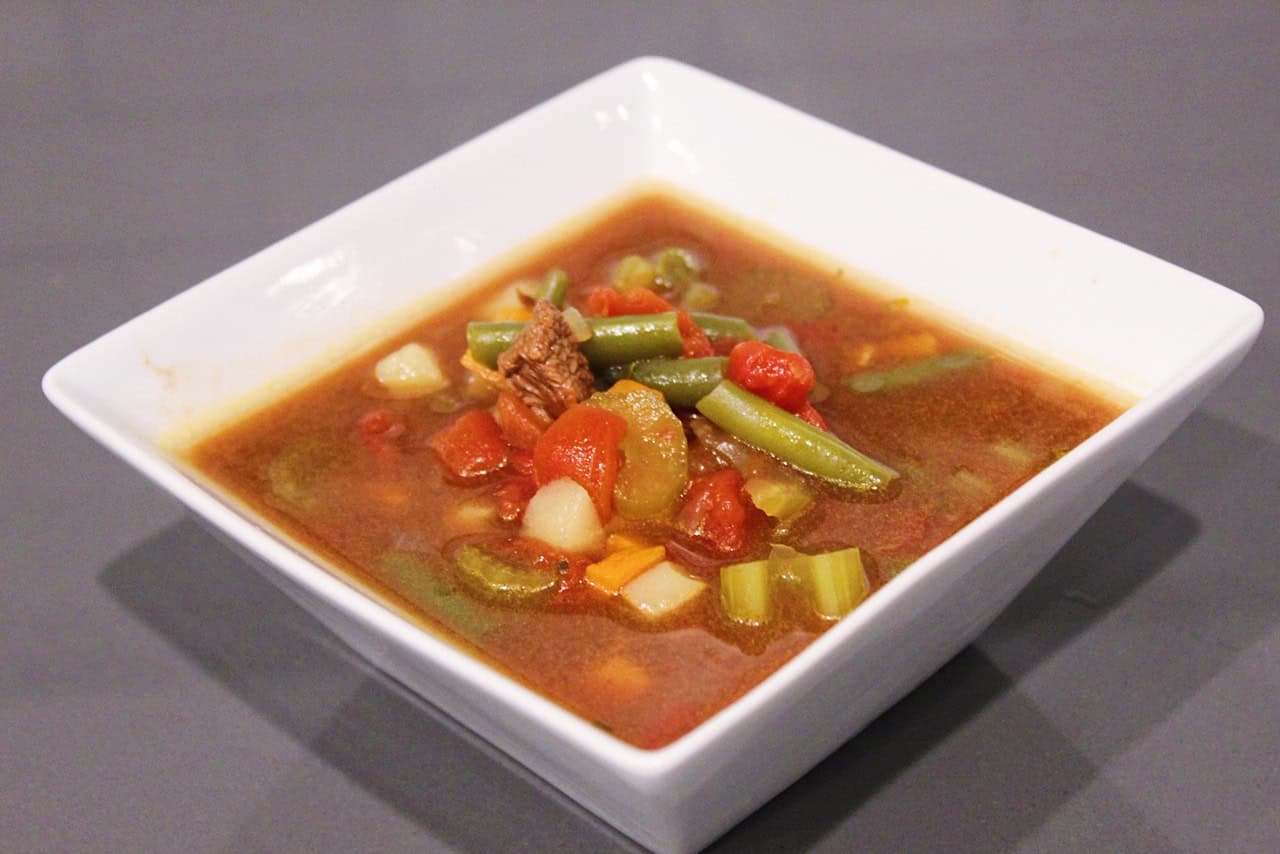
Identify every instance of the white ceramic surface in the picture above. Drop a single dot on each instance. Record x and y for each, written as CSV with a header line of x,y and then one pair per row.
x,y
1163,334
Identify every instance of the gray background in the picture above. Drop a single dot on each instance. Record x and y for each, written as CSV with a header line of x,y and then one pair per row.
x,y
156,695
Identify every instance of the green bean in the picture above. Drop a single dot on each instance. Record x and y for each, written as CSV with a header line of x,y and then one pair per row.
x,y
722,327
607,375
486,341
632,337
780,337
554,287
912,373
614,340
683,382
758,422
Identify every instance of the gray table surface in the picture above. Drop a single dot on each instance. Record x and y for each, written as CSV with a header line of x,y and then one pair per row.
x,y
155,694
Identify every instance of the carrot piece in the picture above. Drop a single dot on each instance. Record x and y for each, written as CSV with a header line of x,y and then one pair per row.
x,y
623,542
512,312
624,386
521,426
624,679
472,446
618,568
914,345
582,444
861,356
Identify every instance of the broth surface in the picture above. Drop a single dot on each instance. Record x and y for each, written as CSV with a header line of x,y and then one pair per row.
x,y
960,442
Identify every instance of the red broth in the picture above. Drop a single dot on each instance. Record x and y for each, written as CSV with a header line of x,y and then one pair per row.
x,y
385,514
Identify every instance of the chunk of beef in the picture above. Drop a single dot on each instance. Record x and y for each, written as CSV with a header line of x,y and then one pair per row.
x,y
544,366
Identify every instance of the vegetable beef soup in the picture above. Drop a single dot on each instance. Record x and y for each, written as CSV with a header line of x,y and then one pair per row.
x,y
648,463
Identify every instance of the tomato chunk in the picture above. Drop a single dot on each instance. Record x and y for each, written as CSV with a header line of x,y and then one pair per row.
x,y
813,416
520,461
776,375
520,425
379,428
472,446
607,302
714,512
582,444
696,342
513,496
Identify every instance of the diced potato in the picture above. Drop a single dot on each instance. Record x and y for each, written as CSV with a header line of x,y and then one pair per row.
x,y
507,305
662,590
473,514
562,515
411,371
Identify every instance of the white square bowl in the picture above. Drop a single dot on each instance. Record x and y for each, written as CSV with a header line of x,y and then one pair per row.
x,y
1164,335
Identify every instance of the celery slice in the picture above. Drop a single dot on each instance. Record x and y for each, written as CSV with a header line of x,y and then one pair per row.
x,y
786,563
700,297
837,582
417,580
1012,452
744,592
495,575
967,481
778,496
634,273
294,474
